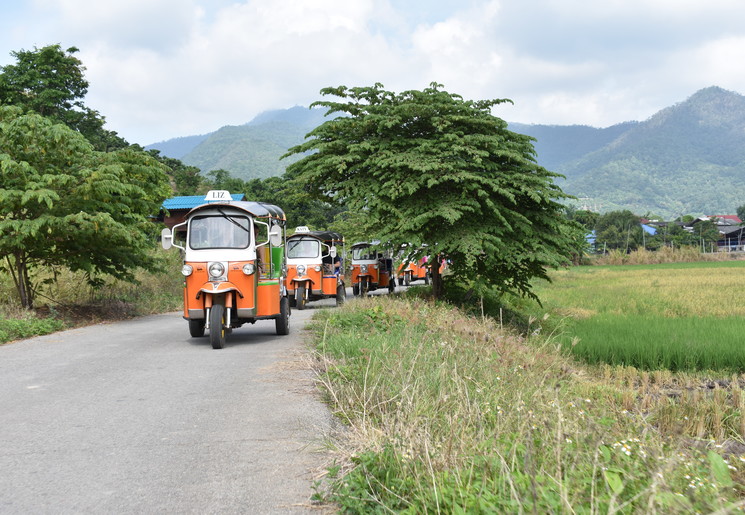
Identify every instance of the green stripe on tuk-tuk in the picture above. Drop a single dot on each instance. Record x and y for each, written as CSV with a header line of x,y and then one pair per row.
x,y
277,255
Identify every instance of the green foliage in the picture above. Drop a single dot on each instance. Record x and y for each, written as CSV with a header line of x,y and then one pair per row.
x,y
27,326
618,230
51,82
186,179
741,212
63,203
427,167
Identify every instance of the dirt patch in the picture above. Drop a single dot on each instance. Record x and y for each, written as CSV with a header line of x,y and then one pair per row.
x,y
88,314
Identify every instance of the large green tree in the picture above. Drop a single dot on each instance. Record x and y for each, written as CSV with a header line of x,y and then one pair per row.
x,y
428,168
50,81
63,203
618,230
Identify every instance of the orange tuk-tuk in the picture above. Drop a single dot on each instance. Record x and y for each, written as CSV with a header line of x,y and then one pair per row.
x,y
314,267
234,262
371,269
414,270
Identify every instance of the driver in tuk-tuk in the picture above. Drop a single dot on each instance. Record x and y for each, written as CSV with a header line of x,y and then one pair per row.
x,y
385,264
327,265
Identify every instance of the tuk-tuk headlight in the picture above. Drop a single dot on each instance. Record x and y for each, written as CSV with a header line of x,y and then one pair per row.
x,y
300,269
317,268
187,270
249,268
363,268
216,269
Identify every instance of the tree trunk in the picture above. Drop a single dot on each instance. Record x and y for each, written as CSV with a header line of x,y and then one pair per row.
x,y
19,272
436,277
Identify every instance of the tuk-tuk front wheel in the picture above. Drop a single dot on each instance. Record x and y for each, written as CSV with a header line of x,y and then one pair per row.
x,y
341,294
407,279
355,289
364,287
282,323
217,326
300,296
196,328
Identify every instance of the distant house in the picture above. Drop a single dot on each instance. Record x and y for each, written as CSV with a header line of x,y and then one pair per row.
x,y
729,219
174,210
731,238
731,231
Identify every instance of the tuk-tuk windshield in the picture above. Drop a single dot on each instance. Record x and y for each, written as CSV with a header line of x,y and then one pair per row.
x,y
364,254
303,248
219,232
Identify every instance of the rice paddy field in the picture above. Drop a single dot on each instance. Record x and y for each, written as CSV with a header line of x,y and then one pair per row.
x,y
674,316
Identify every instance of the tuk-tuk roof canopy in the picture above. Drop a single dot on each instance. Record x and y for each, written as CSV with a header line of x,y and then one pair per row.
x,y
366,243
257,209
319,235
192,201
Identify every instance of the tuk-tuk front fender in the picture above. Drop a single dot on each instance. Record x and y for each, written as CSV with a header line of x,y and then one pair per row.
x,y
216,288
302,279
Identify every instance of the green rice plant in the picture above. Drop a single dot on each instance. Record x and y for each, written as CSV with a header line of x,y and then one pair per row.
x,y
657,342
677,316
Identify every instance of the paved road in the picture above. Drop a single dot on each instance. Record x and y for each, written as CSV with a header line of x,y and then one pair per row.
x,y
138,417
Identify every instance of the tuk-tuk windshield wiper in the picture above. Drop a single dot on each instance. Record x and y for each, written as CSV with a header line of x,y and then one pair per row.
x,y
232,220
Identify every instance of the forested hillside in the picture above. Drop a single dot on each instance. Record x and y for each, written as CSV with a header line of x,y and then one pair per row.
x,y
248,151
687,159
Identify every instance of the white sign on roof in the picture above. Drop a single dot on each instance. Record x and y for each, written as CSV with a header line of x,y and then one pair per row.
x,y
218,196
302,229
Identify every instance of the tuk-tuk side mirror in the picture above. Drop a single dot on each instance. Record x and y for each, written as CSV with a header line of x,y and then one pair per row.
x,y
166,238
332,252
275,235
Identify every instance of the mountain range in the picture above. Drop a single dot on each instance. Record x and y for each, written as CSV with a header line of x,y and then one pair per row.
x,y
688,158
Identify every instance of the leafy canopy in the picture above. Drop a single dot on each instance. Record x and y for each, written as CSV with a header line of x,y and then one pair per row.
x,y
430,168
51,82
63,203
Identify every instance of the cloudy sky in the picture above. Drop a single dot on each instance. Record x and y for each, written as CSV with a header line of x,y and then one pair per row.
x,y
160,69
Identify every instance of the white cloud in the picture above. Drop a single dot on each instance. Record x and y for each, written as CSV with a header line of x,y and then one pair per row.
x,y
165,68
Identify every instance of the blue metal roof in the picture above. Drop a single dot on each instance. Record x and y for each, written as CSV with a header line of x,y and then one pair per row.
x,y
649,229
192,201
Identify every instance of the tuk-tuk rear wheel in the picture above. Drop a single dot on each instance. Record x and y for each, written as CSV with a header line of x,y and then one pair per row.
x,y
196,328
217,326
282,324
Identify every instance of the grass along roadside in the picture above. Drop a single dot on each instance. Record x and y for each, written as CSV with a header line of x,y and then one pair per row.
x,y
450,414
68,301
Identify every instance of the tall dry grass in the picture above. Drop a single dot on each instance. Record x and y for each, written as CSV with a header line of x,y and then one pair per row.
x,y
663,255
447,413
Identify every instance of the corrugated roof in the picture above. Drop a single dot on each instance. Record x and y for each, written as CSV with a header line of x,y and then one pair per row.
x,y
193,201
